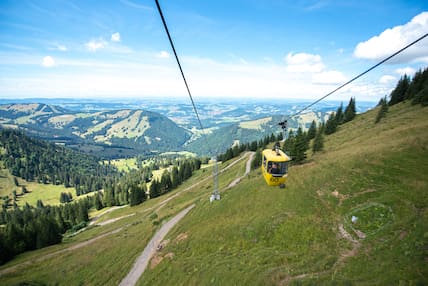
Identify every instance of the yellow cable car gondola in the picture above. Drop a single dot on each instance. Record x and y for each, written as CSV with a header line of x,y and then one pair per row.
x,y
275,166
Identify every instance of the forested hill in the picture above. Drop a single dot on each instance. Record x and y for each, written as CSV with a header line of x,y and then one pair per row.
x,y
43,162
111,133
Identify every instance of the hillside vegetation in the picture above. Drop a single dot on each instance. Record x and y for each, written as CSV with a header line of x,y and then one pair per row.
x,y
303,235
260,235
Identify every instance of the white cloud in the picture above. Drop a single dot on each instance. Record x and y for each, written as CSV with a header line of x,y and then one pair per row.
x,y
313,66
115,37
392,40
48,62
303,63
387,79
163,55
94,45
328,77
407,70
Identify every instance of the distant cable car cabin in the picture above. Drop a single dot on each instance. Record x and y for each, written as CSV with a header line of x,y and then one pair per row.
x,y
275,166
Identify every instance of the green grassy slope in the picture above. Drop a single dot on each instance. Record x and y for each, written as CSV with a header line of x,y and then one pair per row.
x,y
260,235
267,236
107,260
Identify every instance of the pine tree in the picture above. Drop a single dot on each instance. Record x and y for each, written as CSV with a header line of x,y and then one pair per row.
x,y
108,197
154,189
331,124
419,89
382,110
300,146
339,115
350,111
79,212
421,97
253,146
312,130
318,142
165,183
415,85
399,92
289,143
98,204
175,180
137,196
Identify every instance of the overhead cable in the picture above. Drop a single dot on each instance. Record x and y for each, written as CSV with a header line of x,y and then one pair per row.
x,y
358,76
179,65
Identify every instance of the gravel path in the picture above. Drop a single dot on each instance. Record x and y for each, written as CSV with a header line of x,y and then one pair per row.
x,y
158,206
143,260
247,171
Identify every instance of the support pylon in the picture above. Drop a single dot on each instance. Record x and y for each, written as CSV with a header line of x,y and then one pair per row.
x,y
216,193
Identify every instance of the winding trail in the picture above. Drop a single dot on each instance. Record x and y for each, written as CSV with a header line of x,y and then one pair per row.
x,y
157,207
96,218
247,171
143,260
232,184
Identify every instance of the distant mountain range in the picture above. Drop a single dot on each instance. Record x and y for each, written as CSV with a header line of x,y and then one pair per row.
x,y
130,130
108,133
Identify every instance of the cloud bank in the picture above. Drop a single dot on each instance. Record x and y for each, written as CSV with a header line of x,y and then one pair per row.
x,y
393,39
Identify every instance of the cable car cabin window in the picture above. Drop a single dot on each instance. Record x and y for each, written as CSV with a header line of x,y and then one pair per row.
x,y
277,168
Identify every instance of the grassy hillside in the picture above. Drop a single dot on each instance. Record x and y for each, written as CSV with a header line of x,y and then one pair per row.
x,y
260,235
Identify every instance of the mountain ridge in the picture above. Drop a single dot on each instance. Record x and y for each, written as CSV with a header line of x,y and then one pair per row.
x,y
141,130
129,132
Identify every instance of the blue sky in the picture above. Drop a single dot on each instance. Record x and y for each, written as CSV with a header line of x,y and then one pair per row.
x,y
237,48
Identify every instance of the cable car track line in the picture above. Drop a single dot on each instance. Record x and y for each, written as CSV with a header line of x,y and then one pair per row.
x,y
358,76
179,65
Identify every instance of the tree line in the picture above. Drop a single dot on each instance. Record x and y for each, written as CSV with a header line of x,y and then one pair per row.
x,y
32,228
236,150
48,163
414,90
42,162
407,89
27,228
298,142
137,186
